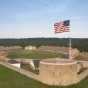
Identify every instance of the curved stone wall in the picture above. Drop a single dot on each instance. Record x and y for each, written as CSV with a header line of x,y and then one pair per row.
x,y
58,72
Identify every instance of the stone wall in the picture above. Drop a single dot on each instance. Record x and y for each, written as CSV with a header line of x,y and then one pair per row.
x,y
65,50
62,73
84,63
56,71
74,53
54,49
3,55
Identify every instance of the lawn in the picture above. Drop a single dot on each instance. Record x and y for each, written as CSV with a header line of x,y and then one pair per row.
x,y
12,79
34,54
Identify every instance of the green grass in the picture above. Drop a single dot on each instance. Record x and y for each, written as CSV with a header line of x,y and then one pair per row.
x,y
12,79
33,54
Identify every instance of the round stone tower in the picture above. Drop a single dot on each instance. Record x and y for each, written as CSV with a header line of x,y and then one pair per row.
x,y
58,72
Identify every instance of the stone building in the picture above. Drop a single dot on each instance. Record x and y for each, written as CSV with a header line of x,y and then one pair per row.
x,y
75,52
3,55
58,72
30,47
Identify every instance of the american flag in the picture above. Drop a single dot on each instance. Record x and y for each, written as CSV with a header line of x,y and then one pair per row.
x,y
62,26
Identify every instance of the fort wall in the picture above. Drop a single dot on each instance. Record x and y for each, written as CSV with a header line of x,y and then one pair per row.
x,y
58,72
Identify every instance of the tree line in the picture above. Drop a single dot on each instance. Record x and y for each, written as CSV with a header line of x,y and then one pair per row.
x,y
80,43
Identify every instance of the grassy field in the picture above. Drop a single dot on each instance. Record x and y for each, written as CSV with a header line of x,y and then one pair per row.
x,y
12,79
34,54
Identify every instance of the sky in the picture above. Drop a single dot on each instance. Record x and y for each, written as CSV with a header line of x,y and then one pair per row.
x,y
35,18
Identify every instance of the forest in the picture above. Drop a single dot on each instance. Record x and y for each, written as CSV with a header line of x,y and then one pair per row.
x,y
79,43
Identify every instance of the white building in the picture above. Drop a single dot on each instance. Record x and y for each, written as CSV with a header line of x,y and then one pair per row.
x,y
30,47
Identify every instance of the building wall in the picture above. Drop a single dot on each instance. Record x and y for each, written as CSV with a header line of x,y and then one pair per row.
x,y
3,55
84,63
58,74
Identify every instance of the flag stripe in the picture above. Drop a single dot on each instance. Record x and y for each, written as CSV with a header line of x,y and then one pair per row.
x,y
61,27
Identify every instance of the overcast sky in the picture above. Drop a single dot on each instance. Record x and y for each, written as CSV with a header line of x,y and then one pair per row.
x,y
35,18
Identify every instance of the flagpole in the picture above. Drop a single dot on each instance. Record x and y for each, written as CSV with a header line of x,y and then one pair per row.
x,y
61,27
70,48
